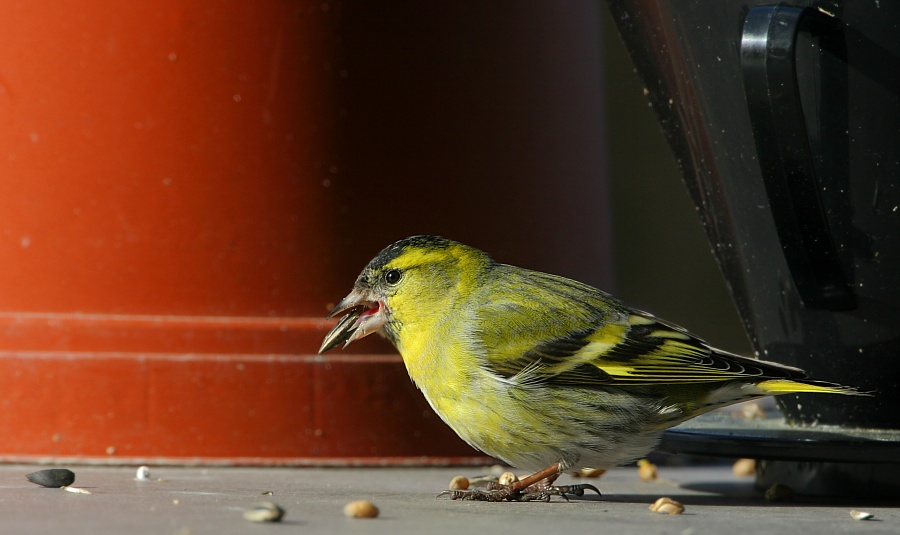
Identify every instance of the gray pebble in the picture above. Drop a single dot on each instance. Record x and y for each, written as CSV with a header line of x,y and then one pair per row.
x,y
52,477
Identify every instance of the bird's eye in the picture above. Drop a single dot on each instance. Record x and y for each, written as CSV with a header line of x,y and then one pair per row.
x,y
393,276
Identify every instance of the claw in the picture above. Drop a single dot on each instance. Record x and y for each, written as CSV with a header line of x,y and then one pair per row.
x,y
572,490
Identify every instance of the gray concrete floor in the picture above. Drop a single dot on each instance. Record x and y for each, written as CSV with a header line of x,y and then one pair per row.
x,y
196,500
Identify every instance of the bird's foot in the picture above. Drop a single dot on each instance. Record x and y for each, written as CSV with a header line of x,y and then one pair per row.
x,y
544,492
506,493
536,487
491,492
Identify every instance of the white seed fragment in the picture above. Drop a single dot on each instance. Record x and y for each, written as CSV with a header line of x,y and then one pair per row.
x,y
361,509
143,474
264,512
76,490
590,472
861,515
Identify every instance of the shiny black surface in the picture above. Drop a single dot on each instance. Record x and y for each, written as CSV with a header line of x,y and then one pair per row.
x,y
688,55
721,435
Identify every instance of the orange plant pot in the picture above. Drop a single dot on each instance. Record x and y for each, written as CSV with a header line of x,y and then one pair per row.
x,y
187,188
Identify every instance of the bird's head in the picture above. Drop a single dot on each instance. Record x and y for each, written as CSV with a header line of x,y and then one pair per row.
x,y
409,283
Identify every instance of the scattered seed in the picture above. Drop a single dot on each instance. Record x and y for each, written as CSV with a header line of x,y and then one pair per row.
x,y
668,506
779,493
744,467
176,501
361,509
459,483
52,477
647,471
861,515
264,512
671,509
76,490
267,493
590,472
143,474
752,411
507,478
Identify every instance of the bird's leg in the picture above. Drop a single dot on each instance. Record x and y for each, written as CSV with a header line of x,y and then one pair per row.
x,y
537,486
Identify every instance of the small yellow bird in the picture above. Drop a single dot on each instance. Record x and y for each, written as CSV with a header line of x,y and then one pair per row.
x,y
546,373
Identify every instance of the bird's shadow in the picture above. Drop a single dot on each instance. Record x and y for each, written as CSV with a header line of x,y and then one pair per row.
x,y
741,494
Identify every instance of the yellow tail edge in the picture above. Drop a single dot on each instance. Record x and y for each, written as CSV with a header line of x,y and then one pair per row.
x,y
785,386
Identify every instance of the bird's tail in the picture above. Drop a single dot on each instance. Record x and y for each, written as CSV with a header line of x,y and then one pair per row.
x,y
774,387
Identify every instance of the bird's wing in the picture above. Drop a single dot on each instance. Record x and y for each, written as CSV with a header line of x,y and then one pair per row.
x,y
634,349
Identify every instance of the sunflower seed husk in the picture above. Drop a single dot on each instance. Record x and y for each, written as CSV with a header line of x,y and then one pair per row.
x,y
341,332
52,477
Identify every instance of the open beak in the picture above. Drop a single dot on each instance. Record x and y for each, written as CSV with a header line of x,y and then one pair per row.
x,y
364,316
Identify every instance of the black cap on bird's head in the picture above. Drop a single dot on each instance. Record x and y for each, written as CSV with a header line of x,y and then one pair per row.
x,y
392,251
375,269
365,309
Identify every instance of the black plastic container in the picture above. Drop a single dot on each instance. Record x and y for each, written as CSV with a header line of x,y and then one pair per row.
x,y
785,121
